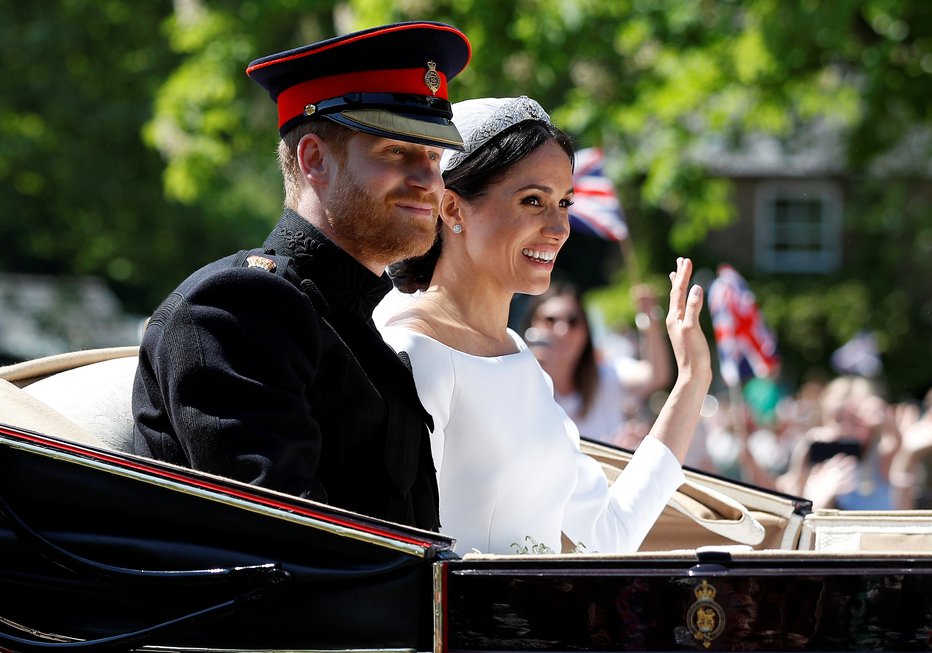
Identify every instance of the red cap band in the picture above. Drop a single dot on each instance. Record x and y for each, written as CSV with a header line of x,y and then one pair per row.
x,y
293,100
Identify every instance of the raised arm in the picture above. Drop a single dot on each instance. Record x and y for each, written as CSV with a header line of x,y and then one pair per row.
x,y
676,423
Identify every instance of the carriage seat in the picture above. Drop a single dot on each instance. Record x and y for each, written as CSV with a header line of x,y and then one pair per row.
x,y
91,389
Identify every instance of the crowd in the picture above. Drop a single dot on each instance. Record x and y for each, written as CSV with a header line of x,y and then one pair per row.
x,y
837,441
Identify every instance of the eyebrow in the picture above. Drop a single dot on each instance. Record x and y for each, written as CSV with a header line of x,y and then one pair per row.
x,y
545,189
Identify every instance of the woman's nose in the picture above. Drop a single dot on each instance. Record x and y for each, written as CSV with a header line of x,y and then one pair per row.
x,y
558,224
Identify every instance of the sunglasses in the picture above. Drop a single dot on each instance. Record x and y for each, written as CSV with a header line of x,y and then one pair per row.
x,y
571,321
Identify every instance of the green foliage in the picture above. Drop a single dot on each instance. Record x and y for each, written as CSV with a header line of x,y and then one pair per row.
x,y
78,189
133,147
197,115
615,303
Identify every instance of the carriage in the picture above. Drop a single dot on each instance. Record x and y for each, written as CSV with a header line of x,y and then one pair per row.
x,y
101,549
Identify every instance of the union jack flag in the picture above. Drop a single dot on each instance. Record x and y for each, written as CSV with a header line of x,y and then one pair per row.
x,y
596,209
745,345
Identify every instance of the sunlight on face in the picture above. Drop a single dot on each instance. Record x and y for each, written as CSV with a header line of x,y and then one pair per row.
x,y
515,231
385,199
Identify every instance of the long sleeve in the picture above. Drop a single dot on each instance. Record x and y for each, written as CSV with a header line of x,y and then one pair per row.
x,y
233,382
617,517
435,378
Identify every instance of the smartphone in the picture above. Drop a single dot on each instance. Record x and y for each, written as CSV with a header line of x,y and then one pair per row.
x,y
820,451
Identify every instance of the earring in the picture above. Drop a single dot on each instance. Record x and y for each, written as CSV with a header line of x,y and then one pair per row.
x,y
457,228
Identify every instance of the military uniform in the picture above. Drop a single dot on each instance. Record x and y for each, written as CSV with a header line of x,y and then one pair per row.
x,y
265,366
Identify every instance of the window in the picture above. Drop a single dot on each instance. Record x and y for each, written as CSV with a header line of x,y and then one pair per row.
x,y
797,226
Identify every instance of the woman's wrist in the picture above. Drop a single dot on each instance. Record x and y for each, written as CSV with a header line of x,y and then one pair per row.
x,y
693,378
689,393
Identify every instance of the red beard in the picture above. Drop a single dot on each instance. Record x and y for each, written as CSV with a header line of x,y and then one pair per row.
x,y
370,229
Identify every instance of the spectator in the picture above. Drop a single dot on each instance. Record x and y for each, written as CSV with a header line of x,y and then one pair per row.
x,y
606,398
845,461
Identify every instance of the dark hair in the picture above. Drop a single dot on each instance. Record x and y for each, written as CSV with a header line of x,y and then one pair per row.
x,y
586,372
471,179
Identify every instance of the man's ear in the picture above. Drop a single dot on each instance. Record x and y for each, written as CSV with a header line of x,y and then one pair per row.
x,y
451,208
316,159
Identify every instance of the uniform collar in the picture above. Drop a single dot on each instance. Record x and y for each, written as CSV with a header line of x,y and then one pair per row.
x,y
342,280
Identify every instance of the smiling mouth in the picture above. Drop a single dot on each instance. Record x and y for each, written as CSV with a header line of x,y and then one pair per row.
x,y
538,256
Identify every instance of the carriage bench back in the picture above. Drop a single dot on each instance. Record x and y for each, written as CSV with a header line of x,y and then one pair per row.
x,y
83,395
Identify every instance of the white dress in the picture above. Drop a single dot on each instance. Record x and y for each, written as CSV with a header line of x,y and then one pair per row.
x,y
606,413
508,462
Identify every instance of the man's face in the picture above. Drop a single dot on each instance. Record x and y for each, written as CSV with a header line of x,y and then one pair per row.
x,y
385,199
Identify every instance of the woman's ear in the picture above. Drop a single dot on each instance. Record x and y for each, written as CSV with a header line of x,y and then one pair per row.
x,y
451,209
316,159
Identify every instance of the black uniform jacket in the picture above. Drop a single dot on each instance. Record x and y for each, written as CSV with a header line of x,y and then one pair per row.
x,y
265,367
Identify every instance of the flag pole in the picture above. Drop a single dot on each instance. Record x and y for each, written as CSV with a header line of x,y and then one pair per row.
x,y
737,411
630,259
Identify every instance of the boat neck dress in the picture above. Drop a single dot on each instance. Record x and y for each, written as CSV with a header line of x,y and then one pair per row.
x,y
511,476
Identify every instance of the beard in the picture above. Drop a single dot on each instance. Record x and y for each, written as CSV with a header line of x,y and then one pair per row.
x,y
369,228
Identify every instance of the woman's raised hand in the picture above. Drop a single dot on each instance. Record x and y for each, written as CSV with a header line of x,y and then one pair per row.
x,y
690,347
677,420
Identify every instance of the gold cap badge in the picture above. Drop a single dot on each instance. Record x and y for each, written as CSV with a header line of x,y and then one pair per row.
x,y
432,77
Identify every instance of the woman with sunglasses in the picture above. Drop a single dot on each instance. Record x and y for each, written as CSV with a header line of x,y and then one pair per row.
x,y
605,397
509,468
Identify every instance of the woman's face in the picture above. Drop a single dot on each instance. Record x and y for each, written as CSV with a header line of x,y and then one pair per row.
x,y
512,234
562,330
861,418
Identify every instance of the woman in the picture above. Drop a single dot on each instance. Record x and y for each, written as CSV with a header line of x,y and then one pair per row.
x,y
606,399
509,467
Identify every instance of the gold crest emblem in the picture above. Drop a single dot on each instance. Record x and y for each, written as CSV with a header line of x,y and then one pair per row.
x,y
266,264
432,77
705,618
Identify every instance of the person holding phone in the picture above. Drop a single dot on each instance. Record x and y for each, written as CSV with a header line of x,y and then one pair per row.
x,y
845,462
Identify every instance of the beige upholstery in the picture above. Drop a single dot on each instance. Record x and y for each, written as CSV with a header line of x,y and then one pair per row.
x,y
22,374
26,412
711,512
850,531
83,396
96,397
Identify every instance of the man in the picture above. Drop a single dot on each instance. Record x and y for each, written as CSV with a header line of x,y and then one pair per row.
x,y
265,366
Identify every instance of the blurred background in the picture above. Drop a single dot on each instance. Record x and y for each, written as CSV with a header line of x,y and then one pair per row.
x,y
790,140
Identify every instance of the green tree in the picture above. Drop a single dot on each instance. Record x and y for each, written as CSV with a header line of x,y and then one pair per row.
x,y
133,146
654,82
78,188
